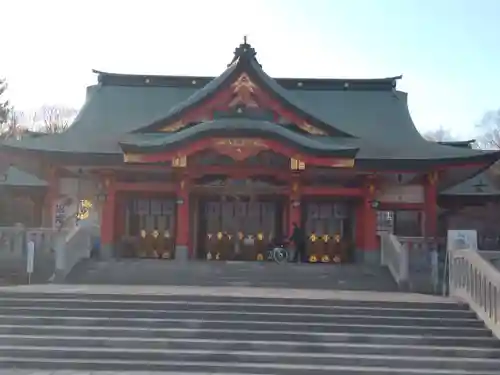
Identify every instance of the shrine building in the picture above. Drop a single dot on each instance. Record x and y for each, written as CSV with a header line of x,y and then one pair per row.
x,y
190,167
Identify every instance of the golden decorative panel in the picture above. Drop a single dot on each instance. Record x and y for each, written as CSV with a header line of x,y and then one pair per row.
x,y
132,158
343,163
179,161
239,148
297,165
310,129
173,127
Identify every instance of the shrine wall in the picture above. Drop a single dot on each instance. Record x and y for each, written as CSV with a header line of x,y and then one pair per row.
x,y
76,194
401,194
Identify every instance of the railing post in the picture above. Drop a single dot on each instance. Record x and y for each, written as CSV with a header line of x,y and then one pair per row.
x,y
60,253
477,282
383,245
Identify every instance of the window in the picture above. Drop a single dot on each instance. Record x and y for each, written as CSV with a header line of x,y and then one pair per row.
x,y
408,223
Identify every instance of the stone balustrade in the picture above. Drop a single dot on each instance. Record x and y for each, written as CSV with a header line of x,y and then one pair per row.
x,y
477,282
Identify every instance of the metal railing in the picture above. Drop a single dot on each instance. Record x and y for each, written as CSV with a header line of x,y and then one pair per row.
x,y
477,282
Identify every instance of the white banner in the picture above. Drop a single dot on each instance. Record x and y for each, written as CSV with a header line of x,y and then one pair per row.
x,y
461,239
30,259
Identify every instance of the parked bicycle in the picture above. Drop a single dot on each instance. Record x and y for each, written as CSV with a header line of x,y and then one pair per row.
x,y
278,253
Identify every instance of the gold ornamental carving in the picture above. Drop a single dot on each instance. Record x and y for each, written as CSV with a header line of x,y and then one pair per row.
x,y
244,91
432,177
173,127
310,129
239,148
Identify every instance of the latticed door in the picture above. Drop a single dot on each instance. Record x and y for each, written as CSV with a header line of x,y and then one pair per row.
x,y
327,229
152,222
238,229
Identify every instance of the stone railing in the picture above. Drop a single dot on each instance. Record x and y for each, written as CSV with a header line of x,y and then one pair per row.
x,y
477,282
13,245
492,256
395,257
75,246
423,264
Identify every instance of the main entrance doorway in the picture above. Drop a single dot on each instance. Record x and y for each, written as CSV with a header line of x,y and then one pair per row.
x,y
238,228
330,229
149,228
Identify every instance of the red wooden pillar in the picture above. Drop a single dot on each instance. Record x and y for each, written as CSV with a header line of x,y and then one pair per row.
x,y
108,219
182,240
294,207
120,213
50,200
430,205
359,230
368,225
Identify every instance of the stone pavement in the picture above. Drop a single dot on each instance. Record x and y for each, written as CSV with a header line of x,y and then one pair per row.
x,y
69,372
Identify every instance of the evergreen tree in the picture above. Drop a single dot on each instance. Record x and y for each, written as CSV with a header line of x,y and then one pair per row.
x,y
4,104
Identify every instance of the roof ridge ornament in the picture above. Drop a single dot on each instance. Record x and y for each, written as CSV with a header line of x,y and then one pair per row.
x,y
243,51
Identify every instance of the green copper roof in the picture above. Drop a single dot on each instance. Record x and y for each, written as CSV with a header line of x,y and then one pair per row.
x,y
480,185
17,177
233,128
246,63
372,111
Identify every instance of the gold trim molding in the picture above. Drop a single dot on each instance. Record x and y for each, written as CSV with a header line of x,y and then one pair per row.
x,y
132,158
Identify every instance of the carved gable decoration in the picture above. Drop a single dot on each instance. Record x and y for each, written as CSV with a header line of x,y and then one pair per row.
x,y
244,91
240,148
243,98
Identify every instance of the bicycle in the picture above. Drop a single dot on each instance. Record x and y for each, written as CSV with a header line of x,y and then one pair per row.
x,y
278,254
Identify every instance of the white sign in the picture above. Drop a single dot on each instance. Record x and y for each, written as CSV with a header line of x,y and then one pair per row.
x,y
461,240
30,262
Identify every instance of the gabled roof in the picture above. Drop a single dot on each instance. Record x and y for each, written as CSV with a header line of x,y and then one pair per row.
x,y
245,67
154,142
372,112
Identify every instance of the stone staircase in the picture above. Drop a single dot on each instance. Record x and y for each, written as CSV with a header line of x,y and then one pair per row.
x,y
232,274
242,335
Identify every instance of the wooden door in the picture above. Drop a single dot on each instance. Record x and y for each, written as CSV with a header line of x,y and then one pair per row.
x,y
325,227
238,229
152,222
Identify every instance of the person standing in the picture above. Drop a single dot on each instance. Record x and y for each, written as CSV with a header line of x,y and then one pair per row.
x,y
299,240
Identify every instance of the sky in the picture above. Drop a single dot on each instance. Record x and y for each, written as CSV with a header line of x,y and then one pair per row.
x,y
446,50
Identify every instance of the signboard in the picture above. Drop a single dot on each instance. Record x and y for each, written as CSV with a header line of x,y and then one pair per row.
x,y
461,239
30,259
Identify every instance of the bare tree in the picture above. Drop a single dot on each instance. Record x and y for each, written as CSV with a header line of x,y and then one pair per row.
x,y
9,124
55,119
490,130
439,135
4,104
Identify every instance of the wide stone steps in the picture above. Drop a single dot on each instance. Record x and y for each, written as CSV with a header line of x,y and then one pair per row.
x,y
232,274
241,335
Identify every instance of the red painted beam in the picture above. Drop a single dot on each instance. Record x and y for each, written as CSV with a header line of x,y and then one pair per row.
x,y
395,206
332,191
239,171
150,187
210,143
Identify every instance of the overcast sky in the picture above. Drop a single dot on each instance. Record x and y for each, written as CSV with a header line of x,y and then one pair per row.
x,y
447,50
